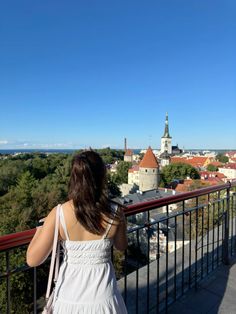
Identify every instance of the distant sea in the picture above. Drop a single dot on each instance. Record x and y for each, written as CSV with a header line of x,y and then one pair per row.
x,y
39,150
71,151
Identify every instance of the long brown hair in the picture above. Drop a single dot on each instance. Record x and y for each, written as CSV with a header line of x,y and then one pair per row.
x,y
88,191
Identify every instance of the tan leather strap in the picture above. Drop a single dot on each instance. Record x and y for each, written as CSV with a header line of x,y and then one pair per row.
x,y
109,224
55,255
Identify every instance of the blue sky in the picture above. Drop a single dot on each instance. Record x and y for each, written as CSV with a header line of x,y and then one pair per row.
x,y
89,73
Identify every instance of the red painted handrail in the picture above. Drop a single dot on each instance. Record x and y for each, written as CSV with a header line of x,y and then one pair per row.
x,y
20,238
16,239
140,207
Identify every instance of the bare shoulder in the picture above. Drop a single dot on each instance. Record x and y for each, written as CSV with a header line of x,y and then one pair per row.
x,y
68,205
50,219
69,211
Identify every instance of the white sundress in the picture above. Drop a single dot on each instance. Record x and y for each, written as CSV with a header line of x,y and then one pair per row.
x,y
86,283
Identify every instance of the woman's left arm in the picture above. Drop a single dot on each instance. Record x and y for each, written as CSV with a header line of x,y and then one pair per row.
x,y
41,244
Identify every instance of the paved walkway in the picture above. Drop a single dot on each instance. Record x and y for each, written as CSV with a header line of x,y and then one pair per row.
x,y
216,294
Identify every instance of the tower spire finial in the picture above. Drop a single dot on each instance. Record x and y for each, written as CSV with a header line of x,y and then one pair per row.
x,y
166,131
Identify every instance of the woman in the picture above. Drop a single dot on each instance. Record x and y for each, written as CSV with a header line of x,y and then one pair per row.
x,y
89,225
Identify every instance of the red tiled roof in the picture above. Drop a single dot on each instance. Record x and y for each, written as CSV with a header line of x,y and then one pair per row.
x,y
198,161
216,163
134,168
230,166
185,187
230,154
129,152
212,174
214,181
220,175
149,160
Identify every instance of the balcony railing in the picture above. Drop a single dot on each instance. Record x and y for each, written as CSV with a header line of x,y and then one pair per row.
x,y
174,243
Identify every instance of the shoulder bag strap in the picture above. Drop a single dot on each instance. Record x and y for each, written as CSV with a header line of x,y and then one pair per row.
x,y
55,251
109,224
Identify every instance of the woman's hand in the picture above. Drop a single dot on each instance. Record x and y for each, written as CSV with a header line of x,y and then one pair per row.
x,y
40,223
120,239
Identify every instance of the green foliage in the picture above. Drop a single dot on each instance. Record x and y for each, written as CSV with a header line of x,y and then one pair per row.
x,y
21,283
222,158
16,206
121,175
30,186
178,171
109,155
113,188
31,192
212,168
10,171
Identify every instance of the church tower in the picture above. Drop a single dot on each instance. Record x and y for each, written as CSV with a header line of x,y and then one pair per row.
x,y
148,172
166,139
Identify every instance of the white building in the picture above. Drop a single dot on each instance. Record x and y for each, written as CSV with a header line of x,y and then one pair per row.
x,y
133,175
229,170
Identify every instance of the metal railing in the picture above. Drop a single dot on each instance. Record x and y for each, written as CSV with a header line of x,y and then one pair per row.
x,y
174,242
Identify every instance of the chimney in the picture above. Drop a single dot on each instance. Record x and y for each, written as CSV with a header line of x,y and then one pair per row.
x,y
125,144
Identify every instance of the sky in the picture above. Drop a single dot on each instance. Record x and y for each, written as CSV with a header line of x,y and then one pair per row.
x,y
77,74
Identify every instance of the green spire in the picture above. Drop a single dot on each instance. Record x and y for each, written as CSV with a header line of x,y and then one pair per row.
x,y
166,132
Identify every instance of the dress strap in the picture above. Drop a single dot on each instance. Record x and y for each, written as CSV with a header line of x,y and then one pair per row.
x,y
109,224
63,223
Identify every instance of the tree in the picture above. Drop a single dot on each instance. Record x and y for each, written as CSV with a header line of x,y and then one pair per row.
x,y
16,208
113,188
211,167
25,185
222,158
178,171
38,167
121,175
11,170
109,155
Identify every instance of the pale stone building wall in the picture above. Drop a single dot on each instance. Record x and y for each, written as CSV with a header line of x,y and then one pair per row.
x,y
228,172
128,158
125,188
133,177
148,178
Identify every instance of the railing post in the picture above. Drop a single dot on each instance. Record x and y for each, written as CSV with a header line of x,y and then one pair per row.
x,y
226,229
35,290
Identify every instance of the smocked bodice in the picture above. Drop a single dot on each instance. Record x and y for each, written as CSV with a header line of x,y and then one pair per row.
x,y
87,252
